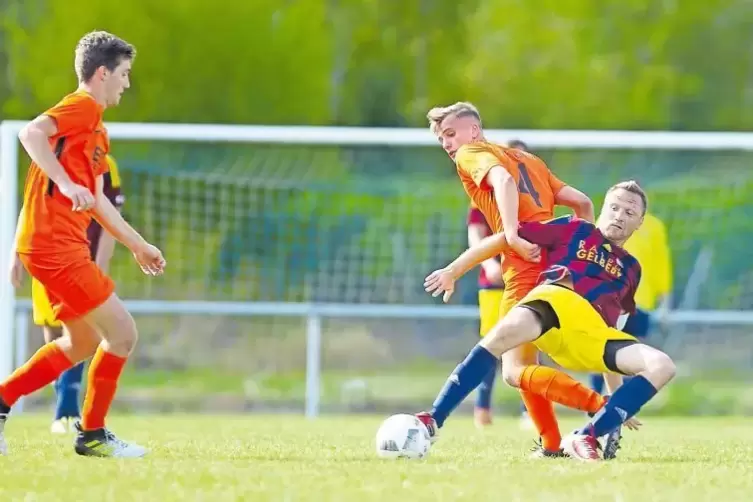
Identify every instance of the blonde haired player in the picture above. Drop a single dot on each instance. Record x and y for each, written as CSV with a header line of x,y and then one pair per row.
x,y
589,283
511,186
101,246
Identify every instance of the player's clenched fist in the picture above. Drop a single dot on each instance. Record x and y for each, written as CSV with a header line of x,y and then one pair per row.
x,y
150,259
80,196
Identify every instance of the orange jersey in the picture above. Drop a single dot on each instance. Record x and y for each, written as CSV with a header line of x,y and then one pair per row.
x,y
49,224
537,187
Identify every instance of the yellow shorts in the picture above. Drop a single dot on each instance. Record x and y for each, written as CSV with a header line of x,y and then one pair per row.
x,y
579,343
42,312
489,303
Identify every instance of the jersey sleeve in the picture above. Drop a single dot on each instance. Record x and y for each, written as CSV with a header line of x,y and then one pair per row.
x,y
74,115
555,183
548,233
476,162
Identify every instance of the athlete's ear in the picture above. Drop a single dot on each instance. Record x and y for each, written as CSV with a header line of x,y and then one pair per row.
x,y
476,131
101,73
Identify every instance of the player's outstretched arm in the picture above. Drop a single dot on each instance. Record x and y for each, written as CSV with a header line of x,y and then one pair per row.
x,y
492,267
576,200
35,138
443,280
148,256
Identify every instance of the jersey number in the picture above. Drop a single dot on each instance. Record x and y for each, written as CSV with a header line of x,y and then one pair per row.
x,y
525,185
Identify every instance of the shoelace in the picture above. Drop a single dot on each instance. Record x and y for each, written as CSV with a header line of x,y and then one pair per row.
x,y
112,438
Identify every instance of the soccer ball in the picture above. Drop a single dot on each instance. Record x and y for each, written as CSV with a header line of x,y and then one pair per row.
x,y
402,436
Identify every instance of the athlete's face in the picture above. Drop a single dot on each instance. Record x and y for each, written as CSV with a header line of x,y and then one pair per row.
x,y
621,215
454,132
116,82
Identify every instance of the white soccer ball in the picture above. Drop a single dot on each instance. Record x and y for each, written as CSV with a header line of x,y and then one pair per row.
x,y
402,436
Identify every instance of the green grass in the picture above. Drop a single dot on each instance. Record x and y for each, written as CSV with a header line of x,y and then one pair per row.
x,y
284,457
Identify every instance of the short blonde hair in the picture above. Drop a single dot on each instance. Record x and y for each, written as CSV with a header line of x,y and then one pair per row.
x,y
460,109
632,186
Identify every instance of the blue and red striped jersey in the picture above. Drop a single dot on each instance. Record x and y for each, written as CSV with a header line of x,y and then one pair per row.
x,y
603,273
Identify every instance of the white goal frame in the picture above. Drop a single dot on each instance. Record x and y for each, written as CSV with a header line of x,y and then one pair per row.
x,y
14,313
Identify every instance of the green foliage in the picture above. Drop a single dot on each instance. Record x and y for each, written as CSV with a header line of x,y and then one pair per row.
x,y
577,64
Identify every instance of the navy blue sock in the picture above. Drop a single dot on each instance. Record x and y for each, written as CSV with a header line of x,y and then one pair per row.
x,y
597,382
623,404
466,377
484,395
67,388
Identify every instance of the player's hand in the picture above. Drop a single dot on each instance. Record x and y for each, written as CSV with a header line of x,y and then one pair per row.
x,y
80,196
439,282
150,259
16,271
633,424
526,250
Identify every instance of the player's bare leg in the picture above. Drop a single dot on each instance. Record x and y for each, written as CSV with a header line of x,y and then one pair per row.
x,y
44,367
652,370
119,335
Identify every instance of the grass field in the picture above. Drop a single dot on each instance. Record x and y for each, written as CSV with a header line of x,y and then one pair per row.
x,y
220,458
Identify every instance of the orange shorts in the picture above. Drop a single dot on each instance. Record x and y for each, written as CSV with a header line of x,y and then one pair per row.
x,y
514,292
75,285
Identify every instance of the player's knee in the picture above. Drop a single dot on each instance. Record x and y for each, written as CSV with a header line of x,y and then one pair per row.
x,y
512,376
661,367
77,348
664,365
122,338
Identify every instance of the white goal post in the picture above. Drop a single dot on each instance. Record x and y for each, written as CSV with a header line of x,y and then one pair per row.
x,y
14,312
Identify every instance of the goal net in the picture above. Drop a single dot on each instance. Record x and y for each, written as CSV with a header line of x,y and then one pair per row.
x,y
271,218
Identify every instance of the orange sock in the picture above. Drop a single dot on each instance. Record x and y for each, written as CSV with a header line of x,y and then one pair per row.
x,y
561,388
102,382
43,368
542,414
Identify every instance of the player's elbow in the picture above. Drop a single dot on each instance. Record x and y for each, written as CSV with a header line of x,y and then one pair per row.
x,y
30,134
575,200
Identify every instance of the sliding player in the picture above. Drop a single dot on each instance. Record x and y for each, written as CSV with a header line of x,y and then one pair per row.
x,y
570,316
101,246
508,186
68,145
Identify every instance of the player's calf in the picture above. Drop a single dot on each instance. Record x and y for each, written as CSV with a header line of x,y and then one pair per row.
x,y
119,335
652,368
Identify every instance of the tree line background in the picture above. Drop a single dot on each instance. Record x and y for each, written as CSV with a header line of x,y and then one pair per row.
x,y
628,64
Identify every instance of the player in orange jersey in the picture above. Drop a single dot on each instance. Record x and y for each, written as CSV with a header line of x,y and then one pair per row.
x,y
511,186
68,145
